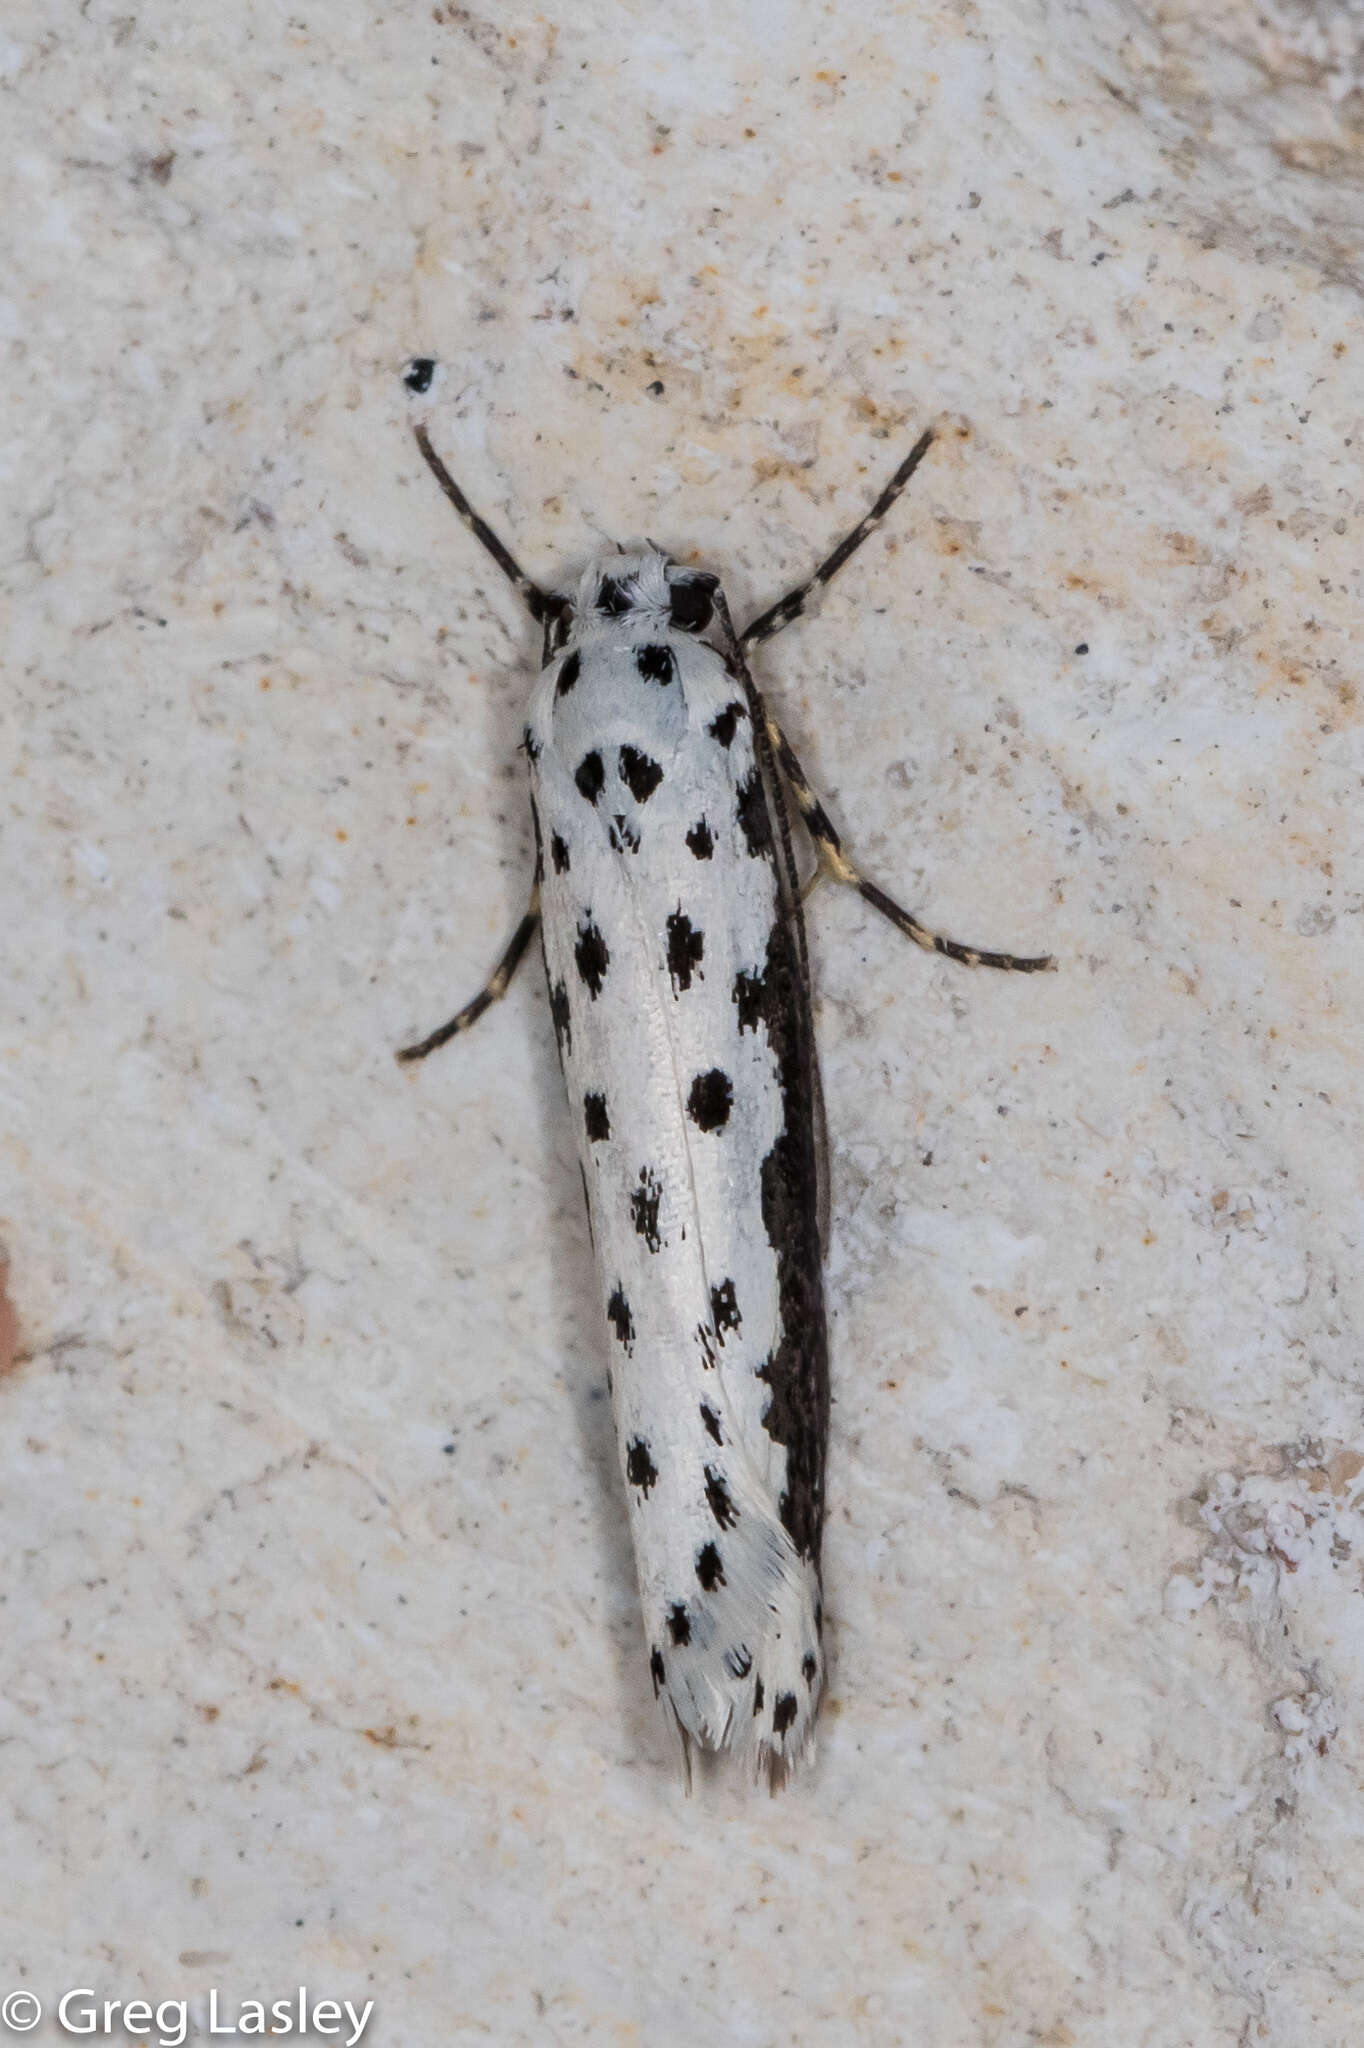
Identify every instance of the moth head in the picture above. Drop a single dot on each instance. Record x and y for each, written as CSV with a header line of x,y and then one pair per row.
x,y
618,584
644,587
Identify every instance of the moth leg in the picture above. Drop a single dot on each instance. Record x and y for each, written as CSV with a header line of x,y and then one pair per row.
x,y
793,604
494,990
834,862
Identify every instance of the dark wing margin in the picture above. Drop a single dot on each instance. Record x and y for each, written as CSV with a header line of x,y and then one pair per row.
x,y
788,886
794,1174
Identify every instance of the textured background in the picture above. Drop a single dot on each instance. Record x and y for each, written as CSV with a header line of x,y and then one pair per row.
x,y
321,1661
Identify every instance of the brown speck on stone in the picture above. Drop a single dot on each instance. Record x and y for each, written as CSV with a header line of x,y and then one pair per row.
x,y
10,1333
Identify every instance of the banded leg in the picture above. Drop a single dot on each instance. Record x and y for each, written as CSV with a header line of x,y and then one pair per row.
x,y
793,604
833,861
495,989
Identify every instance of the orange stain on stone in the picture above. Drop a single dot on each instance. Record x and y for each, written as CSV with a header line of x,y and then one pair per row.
x,y
9,1323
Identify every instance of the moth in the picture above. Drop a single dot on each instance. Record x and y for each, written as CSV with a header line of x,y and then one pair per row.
x,y
668,900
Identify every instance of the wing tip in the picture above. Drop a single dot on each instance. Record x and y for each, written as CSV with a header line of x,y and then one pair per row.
x,y
769,1762
767,1726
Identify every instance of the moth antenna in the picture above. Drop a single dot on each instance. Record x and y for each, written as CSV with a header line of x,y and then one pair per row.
x,y
537,602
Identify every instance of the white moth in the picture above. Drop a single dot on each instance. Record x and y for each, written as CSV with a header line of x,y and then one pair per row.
x,y
669,904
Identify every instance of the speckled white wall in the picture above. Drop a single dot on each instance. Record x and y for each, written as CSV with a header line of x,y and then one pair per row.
x,y
321,1660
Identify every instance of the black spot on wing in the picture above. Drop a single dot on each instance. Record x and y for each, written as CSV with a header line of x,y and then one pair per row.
x,y
568,674
784,1713
418,374
656,1669
758,1696
562,1018
558,853
752,813
644,1208
724,1308
655,663
531,745
691,603
596,1122
739,1661
613,600
560,622
750,999
619,1317
639,773
709,1568
679,1627
640,1468
718,1499
722,727
710,1100
699,840
590,776
623,836
686,948
809,1665
593,958
712,1422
